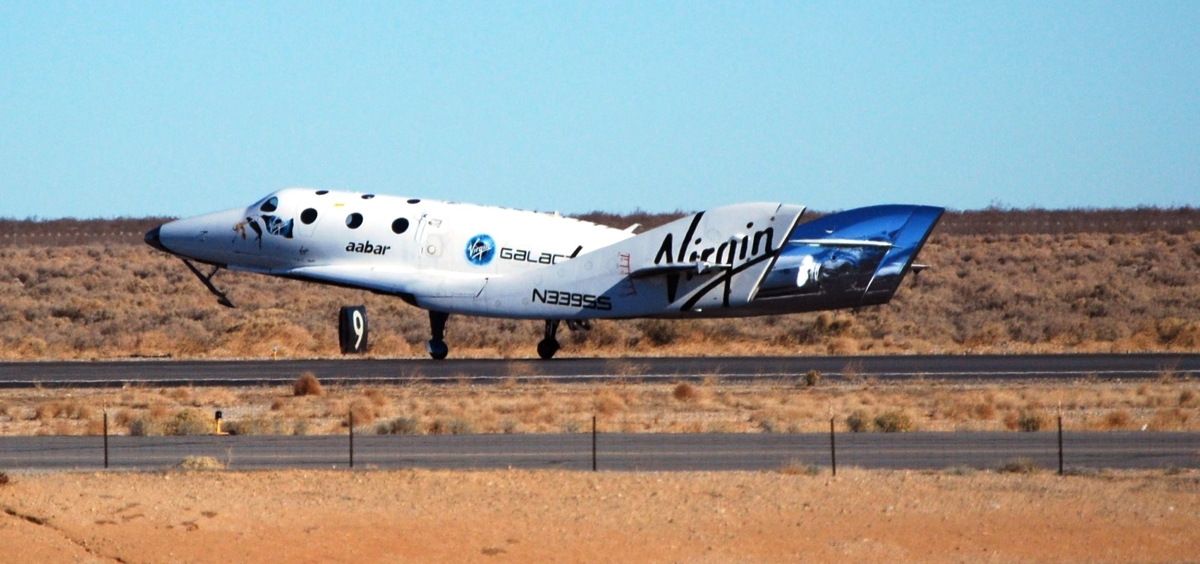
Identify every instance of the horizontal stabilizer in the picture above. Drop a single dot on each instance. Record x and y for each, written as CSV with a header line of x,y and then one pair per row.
x,y
841,243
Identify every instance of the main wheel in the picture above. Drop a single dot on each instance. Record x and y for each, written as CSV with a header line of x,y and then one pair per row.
x,y
546,348
437,349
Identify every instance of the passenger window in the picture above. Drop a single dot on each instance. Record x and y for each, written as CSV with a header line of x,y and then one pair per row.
x,y
354,220
400,226
368,196
322,192
414,200
308,216
270,205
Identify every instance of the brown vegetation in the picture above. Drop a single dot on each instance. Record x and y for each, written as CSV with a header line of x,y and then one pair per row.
x,y
1060,287
527,406
307,385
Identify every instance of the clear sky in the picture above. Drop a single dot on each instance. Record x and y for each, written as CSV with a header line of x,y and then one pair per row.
x,y
177,108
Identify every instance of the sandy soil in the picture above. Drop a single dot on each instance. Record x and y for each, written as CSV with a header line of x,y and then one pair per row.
x,y
562,516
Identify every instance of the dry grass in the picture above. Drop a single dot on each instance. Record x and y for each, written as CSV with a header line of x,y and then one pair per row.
x,y
986,292
532,407
200,463
307,385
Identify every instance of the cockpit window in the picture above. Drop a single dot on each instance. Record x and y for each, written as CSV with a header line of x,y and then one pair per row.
x,y
354,220
270,205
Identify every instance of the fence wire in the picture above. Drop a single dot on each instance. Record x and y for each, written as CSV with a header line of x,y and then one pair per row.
x,y
604,450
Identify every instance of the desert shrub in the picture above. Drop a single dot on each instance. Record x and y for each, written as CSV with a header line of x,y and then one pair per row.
x,y
894,421
307,385
363,411
607,403
143,426
812,378
1186,398
983,411
960,470
659,332
200,463
4,480
1169,419
684,392
123,417
1117,419
858,421
768,425
799,468
258,425
509,426
1026,420
399,426
451,427
1020,465
188,422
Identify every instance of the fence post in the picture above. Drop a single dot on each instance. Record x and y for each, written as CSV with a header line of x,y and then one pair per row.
x,y
593,443
1060,449
106,440
352,439
832,447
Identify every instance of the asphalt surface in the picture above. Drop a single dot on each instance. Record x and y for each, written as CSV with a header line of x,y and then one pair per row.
x,y
652,452
266,372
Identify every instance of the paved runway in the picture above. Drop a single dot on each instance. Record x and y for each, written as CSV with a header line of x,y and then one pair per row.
x,y
657,452
266,372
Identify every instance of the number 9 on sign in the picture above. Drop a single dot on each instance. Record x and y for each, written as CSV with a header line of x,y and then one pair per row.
x,y
352,329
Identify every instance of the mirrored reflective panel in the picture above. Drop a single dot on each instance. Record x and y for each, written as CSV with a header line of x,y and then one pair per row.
x,y
354,220
850,258
270,205
400,226
308,216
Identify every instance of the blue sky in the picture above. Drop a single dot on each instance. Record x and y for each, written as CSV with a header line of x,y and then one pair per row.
x,y
177,108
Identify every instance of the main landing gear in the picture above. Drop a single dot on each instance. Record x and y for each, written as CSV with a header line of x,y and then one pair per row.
x,y
545,348
549,345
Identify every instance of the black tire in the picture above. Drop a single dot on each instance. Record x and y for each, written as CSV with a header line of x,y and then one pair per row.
x,y
546,348
437,349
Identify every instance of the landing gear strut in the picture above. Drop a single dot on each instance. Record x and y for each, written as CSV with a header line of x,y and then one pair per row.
x,y
549,345
437,327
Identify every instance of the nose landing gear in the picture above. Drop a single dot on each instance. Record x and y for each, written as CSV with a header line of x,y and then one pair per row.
x,y
437,344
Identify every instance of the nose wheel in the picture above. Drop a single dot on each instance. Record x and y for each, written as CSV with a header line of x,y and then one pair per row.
x,y
437,328
549,344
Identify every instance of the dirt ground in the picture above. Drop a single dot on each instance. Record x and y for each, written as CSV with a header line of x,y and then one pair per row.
x,y
577,516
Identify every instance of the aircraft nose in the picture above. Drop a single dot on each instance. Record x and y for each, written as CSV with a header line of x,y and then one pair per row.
x,y
153,239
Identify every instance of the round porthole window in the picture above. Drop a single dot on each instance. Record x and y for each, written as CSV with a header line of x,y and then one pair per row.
x,y
414,200
308,216
368,196
354,220
322,192
400,226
